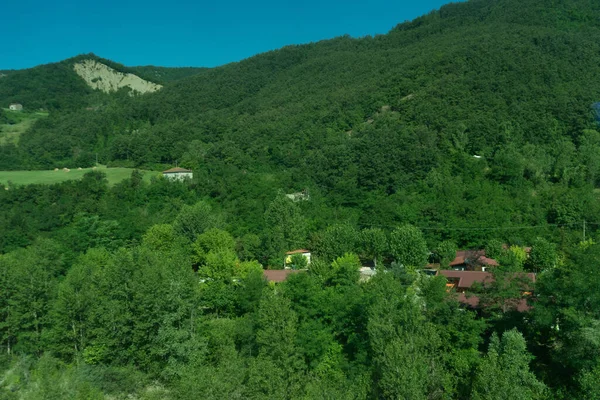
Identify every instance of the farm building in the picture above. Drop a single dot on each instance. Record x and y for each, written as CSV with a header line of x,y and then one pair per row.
x,y
15,107
178,174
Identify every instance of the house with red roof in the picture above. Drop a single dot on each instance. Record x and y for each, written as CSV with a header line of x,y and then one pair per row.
x,y
462,282
472,260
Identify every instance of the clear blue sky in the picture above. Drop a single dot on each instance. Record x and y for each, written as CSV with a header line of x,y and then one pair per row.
x,y
185,33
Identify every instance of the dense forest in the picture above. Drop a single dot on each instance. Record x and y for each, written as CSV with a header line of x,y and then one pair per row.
x,y
472,127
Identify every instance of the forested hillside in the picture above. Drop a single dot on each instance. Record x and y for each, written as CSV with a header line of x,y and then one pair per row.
x,y
165,74
58,88
473,127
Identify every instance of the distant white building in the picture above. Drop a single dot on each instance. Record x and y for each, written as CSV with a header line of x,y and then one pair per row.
x,y
16,107
178,174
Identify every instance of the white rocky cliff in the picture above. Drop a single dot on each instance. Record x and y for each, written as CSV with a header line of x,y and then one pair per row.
x,y
100,76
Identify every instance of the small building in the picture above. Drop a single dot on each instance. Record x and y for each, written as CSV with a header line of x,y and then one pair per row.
x,y
15,107
287,262
178,174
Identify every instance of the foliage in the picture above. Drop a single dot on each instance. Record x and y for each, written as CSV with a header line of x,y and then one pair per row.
x,y
194,220
408,246
504,372
543,255
446,252
146,288
374,243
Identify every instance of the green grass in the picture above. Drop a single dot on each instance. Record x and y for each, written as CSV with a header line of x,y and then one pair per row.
x,y
20,122
114,175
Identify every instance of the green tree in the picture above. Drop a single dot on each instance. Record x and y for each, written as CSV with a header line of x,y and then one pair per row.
x,y
71,313
212,240
494,248
374,243
590,389
346,269
285,228
276,331
335,241
504,372
446,252
404,346
161,237
543,255
408,246
298,261
194,220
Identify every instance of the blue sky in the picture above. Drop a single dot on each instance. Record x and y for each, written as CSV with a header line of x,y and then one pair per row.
x,y
184,33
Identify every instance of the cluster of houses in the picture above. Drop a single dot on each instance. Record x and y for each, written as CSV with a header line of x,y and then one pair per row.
x,y
468,269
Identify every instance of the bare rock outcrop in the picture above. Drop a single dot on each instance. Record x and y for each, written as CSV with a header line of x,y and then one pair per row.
x,y
103,77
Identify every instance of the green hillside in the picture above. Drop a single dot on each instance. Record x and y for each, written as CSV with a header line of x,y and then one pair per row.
x,y
113,176
474,127
379,126
57,87
14,123
165,74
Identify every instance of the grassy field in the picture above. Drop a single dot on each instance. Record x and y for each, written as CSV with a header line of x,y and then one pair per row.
x,y
114,175
20,122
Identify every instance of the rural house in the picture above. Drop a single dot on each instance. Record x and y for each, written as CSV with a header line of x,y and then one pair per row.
x,y
15,107
178,174
462,281
472,260
287,262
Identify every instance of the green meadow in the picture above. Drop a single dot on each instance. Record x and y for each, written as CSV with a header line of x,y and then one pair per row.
x,y
19,122
114,175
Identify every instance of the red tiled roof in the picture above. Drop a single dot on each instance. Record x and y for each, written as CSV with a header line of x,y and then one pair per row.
x,y
278,275
176,170
467,278
473,302
299,251
472,256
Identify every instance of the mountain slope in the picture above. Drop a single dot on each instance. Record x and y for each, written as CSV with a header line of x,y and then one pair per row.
x,y
57,86
380,124
165,74
485,68
101,77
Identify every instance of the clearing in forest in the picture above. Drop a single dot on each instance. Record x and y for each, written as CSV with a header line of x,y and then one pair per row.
x,y
18,122
113,175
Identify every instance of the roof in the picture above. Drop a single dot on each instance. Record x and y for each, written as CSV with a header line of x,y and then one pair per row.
x,y
279,275
473,302
472,256
176,170
299,251
467,278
